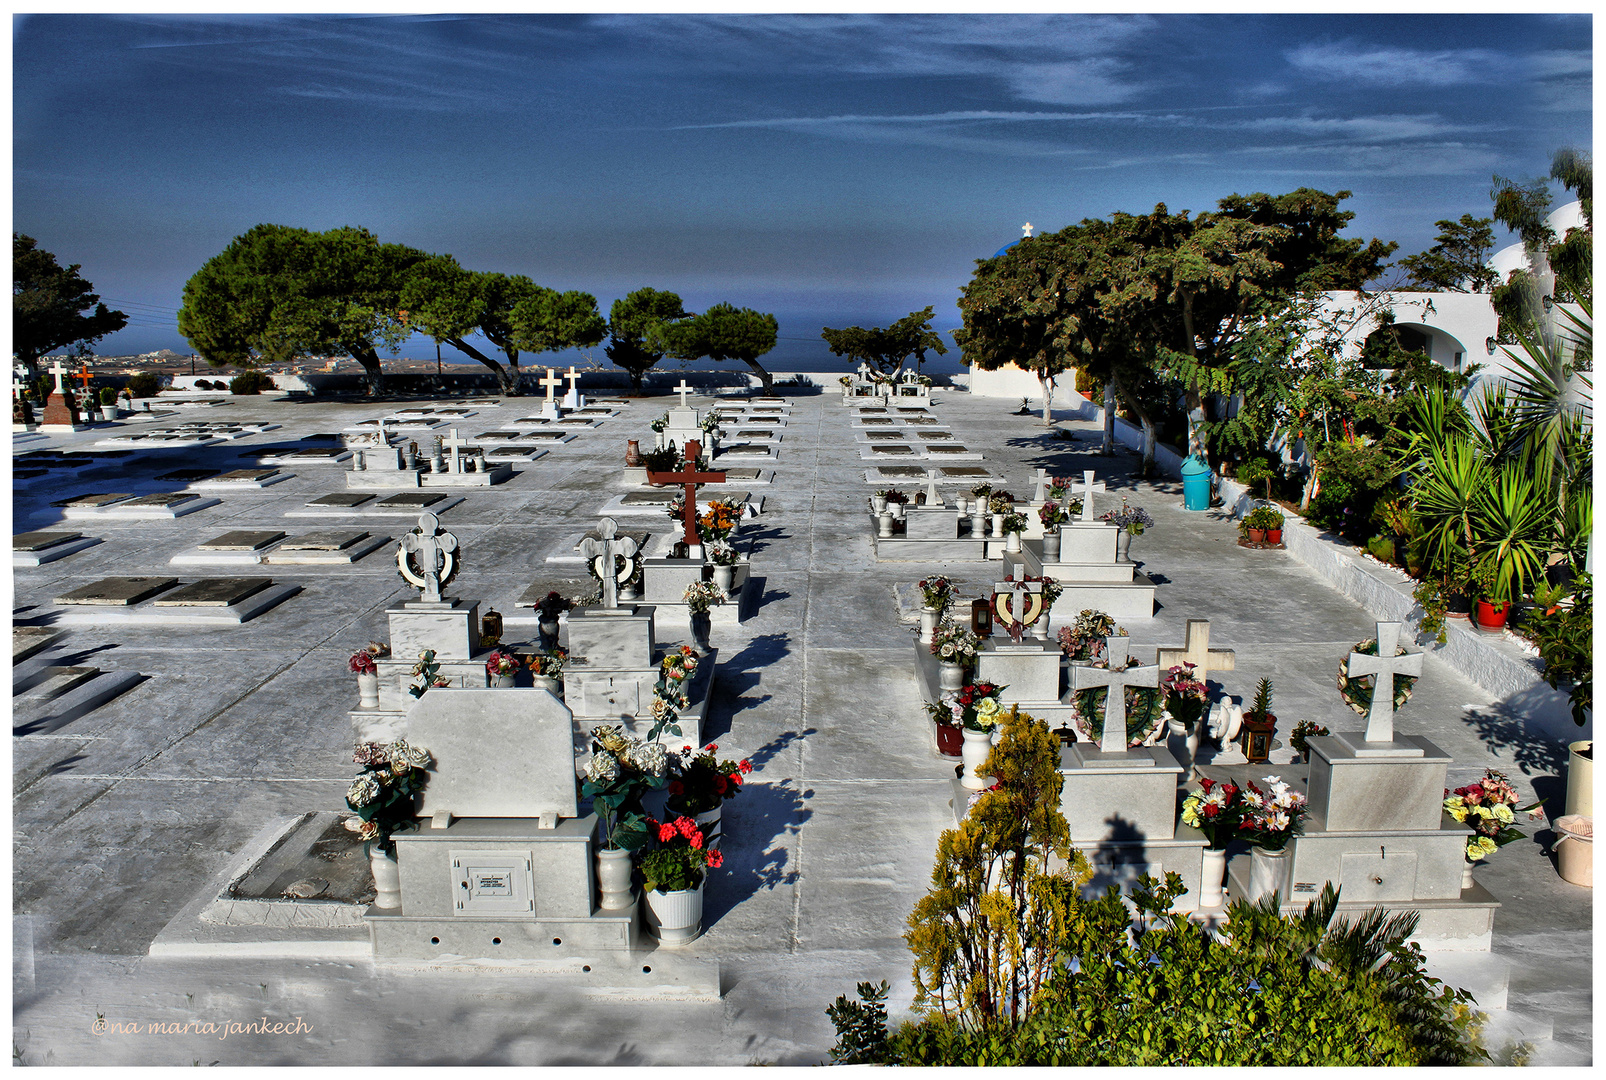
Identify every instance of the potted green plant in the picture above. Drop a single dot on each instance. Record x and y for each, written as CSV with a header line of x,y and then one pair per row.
x,y
1272,521
1491,590
675,870
1303,730
1259,723
1014,525
1565,639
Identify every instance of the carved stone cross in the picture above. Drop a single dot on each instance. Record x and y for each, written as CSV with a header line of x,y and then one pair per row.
x,y
601,553
551,382
933,496
1086,488
689,477
572,376
435,554
1117,677
1041,493
683,390
1385,665
1198,652
59,372
453,444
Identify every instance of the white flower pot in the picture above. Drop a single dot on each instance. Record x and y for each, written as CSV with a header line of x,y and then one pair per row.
x,y
1040,628
547,683
978,525
1268,872
628,592
878,503
1215,865
928,624
950,676
676,918
1051,543
368,690
1013,543
896,510
502,681
1123,544
998,525
387,879
613,879
978,744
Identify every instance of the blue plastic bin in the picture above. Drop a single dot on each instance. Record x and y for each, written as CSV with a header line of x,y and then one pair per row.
x,y
1195,483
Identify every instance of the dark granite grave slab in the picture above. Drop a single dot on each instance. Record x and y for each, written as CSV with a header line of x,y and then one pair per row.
x,y
741,475
453,412
341,498
935,434
188,476
545,436
947,450
101,499
242,540
315,453
903,409
877,420
650,498
28,474
965,471
499,435
891,450
322,436
116,591
324,540
885,435
761,433
162,499
39,541
245,476
214,592
412,498
531,420
863,410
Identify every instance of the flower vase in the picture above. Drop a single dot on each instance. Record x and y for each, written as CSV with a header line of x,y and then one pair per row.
x,y
1123,544
723,576
1268,872
1040,628
629,591
548,630
614,868
633,454
1051,543
1215,865
878,503
884,525
928,623
701,624
1013,543
998,526
675,918
501,681
978,744
978,525
547,683
1466,873
368,690
950,676
387,879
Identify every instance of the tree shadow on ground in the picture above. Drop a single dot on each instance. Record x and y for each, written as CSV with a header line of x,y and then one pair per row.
x,y
761,539
1534,751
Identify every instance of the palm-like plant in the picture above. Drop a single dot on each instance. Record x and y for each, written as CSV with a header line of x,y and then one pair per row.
x,y
1511,527
1446,493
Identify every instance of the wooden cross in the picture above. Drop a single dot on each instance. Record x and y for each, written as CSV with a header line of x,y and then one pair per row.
x,y
1385,665
58,371
1198,652
933,496
551,382
1117,677
689,477
84,376
1088,487
1041,494
602,553
453,444
683,390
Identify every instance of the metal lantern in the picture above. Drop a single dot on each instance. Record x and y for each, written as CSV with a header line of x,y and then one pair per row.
x,y
491,627
1257,732
981,618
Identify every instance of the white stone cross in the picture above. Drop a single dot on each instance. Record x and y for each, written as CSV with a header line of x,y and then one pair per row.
x,y
1198,652
1385,665
1117,677
18,387
434,550
572,376
683,390
1087,488
453,443
1041,494
1027,229
59,372
933,496
602,553
551,382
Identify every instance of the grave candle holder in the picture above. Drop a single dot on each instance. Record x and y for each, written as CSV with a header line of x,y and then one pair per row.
x,y
1256,737
981,618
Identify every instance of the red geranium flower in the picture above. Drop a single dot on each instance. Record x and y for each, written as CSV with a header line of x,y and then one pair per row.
x,y
714,858
666,833
745,765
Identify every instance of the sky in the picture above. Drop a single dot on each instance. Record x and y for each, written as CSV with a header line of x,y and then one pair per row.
x,y
832,169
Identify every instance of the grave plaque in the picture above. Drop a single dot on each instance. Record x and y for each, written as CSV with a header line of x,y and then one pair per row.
x,y
741,474
162,500
92,500
214,592
39,541
920,420
869,420
966,471
891,450
245,476
499,436
648,498
116,591
188,476
341,498
900,472
946,450
324,540
241,540
412,498
935,435
885,435
762,433
315,453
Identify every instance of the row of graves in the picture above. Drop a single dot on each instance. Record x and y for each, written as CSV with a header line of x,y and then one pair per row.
x,y
1364,810
867,382
1056,535
469,844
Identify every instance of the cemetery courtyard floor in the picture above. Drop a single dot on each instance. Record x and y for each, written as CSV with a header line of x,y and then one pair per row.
x,y
122,816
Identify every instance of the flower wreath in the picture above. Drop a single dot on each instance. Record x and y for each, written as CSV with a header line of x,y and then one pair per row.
x,y
1357,691
1145,713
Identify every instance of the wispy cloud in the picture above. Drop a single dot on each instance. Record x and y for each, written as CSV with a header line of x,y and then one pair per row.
x,y
1386,65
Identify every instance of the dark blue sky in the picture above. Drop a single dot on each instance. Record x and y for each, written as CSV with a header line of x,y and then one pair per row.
x,y
831,169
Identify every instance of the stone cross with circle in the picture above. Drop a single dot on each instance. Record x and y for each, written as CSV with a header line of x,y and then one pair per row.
x,y
551,382
1117,677
1385,665
601,553
434,551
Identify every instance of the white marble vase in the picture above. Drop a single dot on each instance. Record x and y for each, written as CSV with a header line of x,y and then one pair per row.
x,y
368,690
723,576
978,744
1013,543
1051,543
1215,865
387,879
950,676
928,623
613,878
1268,872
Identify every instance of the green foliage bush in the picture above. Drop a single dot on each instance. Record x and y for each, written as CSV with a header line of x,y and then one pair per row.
x,y
108,395
145,384
250,382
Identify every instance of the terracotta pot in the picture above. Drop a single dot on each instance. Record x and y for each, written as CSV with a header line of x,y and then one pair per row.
x,y
1274,536
633,454
1256,536
949,740
1492,616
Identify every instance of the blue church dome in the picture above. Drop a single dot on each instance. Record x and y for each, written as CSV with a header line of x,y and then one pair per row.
x,y
1005,248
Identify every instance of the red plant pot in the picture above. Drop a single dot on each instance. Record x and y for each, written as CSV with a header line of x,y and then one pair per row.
x,y
1274,536
950,740
1492,616
1256,536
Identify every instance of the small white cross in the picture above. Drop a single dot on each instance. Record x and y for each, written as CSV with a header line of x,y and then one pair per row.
x,y
551,382
1117,677
1385,665
683,390
17,385
573,376
1027,229
933,496
453,443
1041,494
59,372
1087,489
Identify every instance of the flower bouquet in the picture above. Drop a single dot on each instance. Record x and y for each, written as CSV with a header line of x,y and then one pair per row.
x,y
1134,519
709,424
722,553
1489,808
382,794
1052,515
893,495
1357,691
938,592
700,781
701,595
681,857
502,664
669,694
1083,640
621,771
426,673
1014,523
549,664
1001,502
1186,698
955,644
719,520
1216,810
981,491
1303,730
362,663
975,706
1272,817
660,425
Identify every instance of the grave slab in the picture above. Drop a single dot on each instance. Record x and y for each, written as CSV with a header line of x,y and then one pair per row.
x,y
28,640
39,541
91,501
187,476
116,591
243,479
145,508
320,509
327,547
242,540
342,498
214,592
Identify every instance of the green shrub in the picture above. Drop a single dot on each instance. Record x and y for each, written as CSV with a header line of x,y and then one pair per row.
x,y
145,384
1381,548
1566,644
250,382
1354,477
108,395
